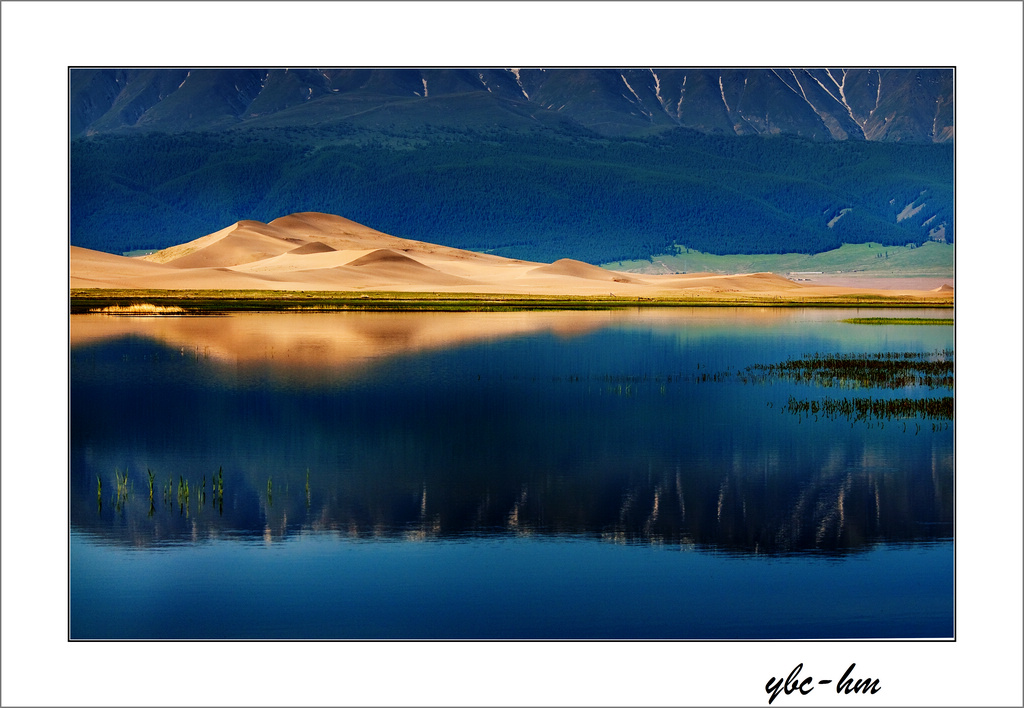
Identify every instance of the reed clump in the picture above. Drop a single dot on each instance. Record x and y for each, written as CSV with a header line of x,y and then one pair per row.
x,y
218,485
868,408
122,489
140,309
882,371
889,370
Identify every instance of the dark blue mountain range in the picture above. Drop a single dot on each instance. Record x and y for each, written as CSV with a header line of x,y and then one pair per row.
x,y
593,164
913,105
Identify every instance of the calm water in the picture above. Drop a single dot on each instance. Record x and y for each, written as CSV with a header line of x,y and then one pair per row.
x,y
501,475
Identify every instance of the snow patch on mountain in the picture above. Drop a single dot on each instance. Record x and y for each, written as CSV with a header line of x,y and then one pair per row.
x,y
842,96
630,88
657,88
682,94
878,95
784,82
515,72
639,103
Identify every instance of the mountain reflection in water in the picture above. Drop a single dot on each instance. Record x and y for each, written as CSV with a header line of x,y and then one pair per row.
x,y
413,426
839,510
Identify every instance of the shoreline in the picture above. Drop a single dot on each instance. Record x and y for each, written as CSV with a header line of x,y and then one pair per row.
x,y
170,303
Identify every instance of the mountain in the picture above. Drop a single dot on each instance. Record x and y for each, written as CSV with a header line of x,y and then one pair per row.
x,y
595,165
824,104
540,194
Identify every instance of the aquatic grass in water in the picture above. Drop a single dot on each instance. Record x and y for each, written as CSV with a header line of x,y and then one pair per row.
x,y
184,493
859,409
900,321
122,490
889,370
188,496
152,506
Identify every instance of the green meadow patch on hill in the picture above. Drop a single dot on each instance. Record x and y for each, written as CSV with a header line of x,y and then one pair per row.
x,y
930,259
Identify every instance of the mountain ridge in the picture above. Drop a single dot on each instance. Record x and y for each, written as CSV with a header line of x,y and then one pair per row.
x,y
599,165
895,105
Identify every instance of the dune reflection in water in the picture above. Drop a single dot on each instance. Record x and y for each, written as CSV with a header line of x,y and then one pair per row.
x,y
448,425
299,341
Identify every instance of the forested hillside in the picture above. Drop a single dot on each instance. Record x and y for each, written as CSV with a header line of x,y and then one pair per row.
x,y
534,194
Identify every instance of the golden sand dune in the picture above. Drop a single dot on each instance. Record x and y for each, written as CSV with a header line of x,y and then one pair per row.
x,y
747,282
96,263
322,252
244,242
400,268
579,269
311,247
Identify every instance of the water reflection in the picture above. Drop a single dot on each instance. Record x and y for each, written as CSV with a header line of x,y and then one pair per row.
x,y
414,426
845,507
298,345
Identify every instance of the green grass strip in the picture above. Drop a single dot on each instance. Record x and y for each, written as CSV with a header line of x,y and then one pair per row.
x,y
193,302
900,321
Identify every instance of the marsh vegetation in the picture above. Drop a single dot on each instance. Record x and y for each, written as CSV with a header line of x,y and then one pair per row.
x,y
868,408
888,370
884,371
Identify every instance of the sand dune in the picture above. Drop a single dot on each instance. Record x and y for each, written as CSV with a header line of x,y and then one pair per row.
x,y
312,251
86,261
244,242
578,269
385,256
745,282
400,268
312,247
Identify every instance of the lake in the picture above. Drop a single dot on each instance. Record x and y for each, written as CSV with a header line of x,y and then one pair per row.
x,y
691,473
